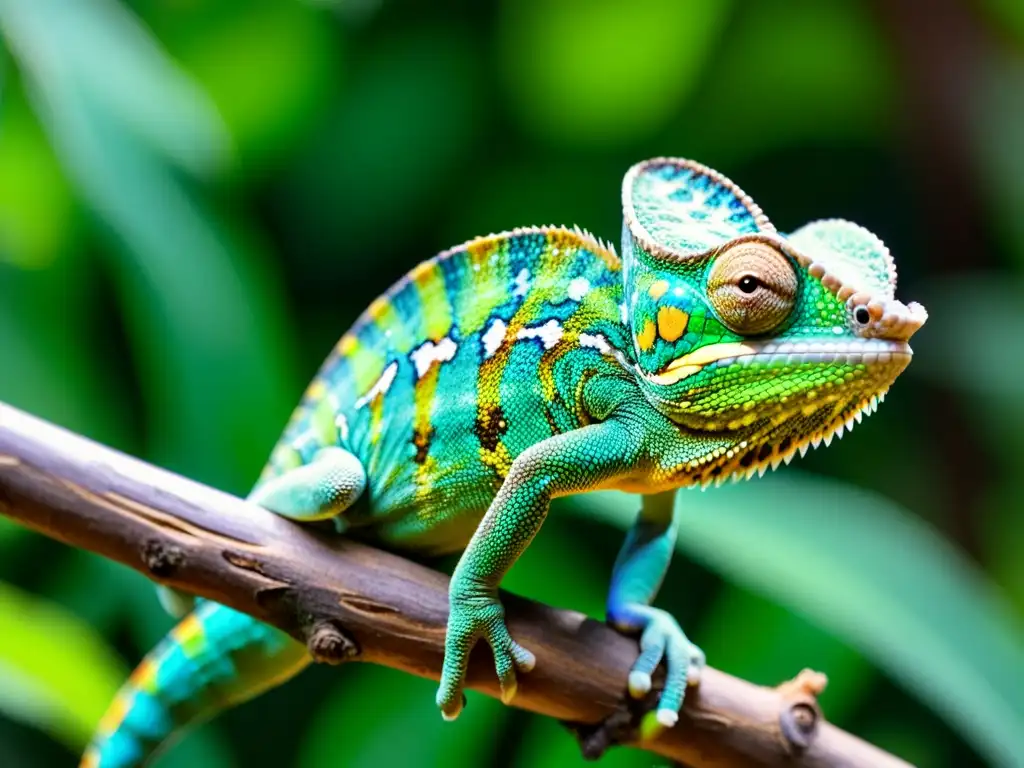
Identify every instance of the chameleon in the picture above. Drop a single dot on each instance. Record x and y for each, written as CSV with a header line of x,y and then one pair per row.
x,y
537,363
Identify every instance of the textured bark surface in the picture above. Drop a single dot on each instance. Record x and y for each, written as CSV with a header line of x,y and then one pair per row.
x,y
350,602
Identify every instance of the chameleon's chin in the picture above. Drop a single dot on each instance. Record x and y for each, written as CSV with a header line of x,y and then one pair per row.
x,y
768,445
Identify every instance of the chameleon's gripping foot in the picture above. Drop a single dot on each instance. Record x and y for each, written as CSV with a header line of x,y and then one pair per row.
x,y
469,620
664,640
646,712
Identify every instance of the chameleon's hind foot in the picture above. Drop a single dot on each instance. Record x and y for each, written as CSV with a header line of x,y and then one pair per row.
x,y
469,620
664,639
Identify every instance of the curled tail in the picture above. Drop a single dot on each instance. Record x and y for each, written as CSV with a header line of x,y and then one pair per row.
x,y
215,658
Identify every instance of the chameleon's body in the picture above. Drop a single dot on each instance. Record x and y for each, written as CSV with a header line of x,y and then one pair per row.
x,y
533,364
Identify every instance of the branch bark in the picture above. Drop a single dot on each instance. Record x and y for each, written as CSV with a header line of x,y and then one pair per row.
x,y
348,601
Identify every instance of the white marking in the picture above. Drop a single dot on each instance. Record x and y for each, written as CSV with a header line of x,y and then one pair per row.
x,y
550,333
342,424
624,313
493,337
522,283
381,386
578,288
596,341
429,353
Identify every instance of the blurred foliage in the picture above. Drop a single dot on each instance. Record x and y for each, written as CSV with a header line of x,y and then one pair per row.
x,y
196,198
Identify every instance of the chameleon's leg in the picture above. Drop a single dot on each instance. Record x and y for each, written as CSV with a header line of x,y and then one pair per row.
x,y
325,487
575,461
174,601
636,578
321,489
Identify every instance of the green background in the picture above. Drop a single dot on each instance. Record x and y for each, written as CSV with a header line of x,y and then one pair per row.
x,y
197,197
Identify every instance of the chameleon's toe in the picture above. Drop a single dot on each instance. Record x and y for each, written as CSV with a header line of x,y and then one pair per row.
x,y
639,684
469,620
663,639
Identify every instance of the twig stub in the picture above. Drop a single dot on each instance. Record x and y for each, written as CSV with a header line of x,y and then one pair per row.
x,y
330,645
161,558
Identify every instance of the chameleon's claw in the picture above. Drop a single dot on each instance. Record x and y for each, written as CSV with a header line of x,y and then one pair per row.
x,y
667,717
639,684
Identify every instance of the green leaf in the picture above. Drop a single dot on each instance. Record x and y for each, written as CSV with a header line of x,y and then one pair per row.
x,y
265,114
373,163
760,641
378,716
876,577
100,50
546,744
204,746
997,119
789,72
994,335
56,672
601,71
38,214
204,313
1007,16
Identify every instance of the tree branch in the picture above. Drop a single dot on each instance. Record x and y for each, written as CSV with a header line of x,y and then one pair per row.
x,y
349,601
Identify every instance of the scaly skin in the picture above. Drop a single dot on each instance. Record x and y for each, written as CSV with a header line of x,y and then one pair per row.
x,y
534,364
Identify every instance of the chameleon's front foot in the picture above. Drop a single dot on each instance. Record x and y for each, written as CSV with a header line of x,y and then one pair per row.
x,y
662,638
471,618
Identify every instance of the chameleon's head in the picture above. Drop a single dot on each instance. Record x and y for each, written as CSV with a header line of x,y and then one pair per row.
x,y
770,343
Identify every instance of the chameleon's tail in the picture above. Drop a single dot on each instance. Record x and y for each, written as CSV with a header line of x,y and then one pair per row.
x,y
214,658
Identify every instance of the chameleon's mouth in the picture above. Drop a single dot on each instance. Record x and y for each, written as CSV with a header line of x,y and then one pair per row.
x,y
853,352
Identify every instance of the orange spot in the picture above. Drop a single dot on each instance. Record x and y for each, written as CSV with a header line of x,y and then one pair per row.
x,y
646,336
672,323
658,289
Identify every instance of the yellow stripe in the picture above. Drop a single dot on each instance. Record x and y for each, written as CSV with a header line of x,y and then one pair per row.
x,y
190,635
437,316
487,283
687,365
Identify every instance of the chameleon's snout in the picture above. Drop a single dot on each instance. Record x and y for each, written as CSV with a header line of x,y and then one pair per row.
x,y
887,319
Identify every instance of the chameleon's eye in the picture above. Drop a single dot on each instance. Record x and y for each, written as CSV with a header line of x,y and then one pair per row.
x,y
752,287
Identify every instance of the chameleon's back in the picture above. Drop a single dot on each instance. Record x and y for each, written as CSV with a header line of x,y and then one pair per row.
x,y
471,358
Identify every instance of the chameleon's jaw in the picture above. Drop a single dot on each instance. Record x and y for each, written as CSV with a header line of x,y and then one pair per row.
x,y
806,393
760,452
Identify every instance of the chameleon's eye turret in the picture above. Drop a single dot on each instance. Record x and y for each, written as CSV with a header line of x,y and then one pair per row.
x,y
752,286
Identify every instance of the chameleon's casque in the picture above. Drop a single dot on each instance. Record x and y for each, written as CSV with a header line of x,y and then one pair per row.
x,y
537,363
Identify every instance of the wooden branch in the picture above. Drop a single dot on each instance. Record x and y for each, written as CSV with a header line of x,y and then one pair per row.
x,y
349,601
